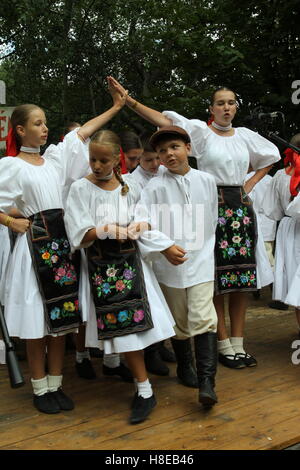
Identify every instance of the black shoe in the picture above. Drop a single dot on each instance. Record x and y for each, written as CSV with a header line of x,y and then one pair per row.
x,y
186,372
278,305
231,361
141,408
207,395
247,359
46,403
122,371
96,352
65,403
166,354
85,369
154,363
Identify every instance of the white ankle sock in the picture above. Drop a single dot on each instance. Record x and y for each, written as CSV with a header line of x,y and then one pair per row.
x,y
54,382
225,347
40,386
144,389
237,344
82,355
111,360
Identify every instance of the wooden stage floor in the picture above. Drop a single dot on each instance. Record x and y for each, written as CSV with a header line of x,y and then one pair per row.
x,y
259,408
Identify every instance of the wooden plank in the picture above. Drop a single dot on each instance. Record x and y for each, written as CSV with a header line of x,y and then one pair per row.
x,y
258,407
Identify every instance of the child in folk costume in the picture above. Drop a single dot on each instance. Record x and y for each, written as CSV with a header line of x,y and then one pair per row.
x,y
41,301
279,206
112,365
182,210
149,167
226,153
128,311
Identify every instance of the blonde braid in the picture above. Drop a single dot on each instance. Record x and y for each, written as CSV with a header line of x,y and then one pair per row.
x,y
125,187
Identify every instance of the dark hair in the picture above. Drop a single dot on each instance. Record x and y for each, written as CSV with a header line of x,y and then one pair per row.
x,y
129,141
20,117
109,138
145,138
223,88
70,126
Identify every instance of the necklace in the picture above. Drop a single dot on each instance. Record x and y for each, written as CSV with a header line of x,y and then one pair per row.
x,y
221,128
107,177
30,149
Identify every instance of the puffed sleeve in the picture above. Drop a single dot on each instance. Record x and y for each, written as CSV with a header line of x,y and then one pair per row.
x,y
71,158
10,184
262,152
293,209
197,130
77,218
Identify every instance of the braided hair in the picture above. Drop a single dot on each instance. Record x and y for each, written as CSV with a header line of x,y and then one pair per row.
x,y
109,138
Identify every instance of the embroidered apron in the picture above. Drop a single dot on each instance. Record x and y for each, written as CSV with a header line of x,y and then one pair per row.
x,y
236,238
118,288
57,270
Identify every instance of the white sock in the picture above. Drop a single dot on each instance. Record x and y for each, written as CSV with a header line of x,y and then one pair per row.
x,y
82,355
54,382
237,344
111,360
40,386
144,389
225,347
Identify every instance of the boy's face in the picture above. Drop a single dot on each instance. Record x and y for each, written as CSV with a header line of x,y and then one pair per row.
x,y
174,154
150,161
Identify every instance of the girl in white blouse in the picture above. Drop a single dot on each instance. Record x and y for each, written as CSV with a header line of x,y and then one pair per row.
x,y
125,290
227,153
34,184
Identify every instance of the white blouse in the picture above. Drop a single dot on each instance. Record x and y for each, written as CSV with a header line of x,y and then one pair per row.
x,y
142,177
277,196
226,158
293,209
89,206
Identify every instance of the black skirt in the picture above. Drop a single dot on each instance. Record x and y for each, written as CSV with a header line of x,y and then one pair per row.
x,y
57,270
236,238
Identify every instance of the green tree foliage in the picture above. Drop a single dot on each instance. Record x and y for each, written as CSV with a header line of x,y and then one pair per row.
x,y
169,54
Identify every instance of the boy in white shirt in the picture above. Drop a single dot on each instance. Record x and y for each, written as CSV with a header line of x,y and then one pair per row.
x,y
181,206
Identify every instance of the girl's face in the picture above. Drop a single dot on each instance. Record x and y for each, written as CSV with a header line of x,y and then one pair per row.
x,y
132,157
35,131
224,107
150,161
102,160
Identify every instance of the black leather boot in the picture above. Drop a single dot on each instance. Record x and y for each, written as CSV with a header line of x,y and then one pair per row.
x,y
206,354
186,372
153,362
